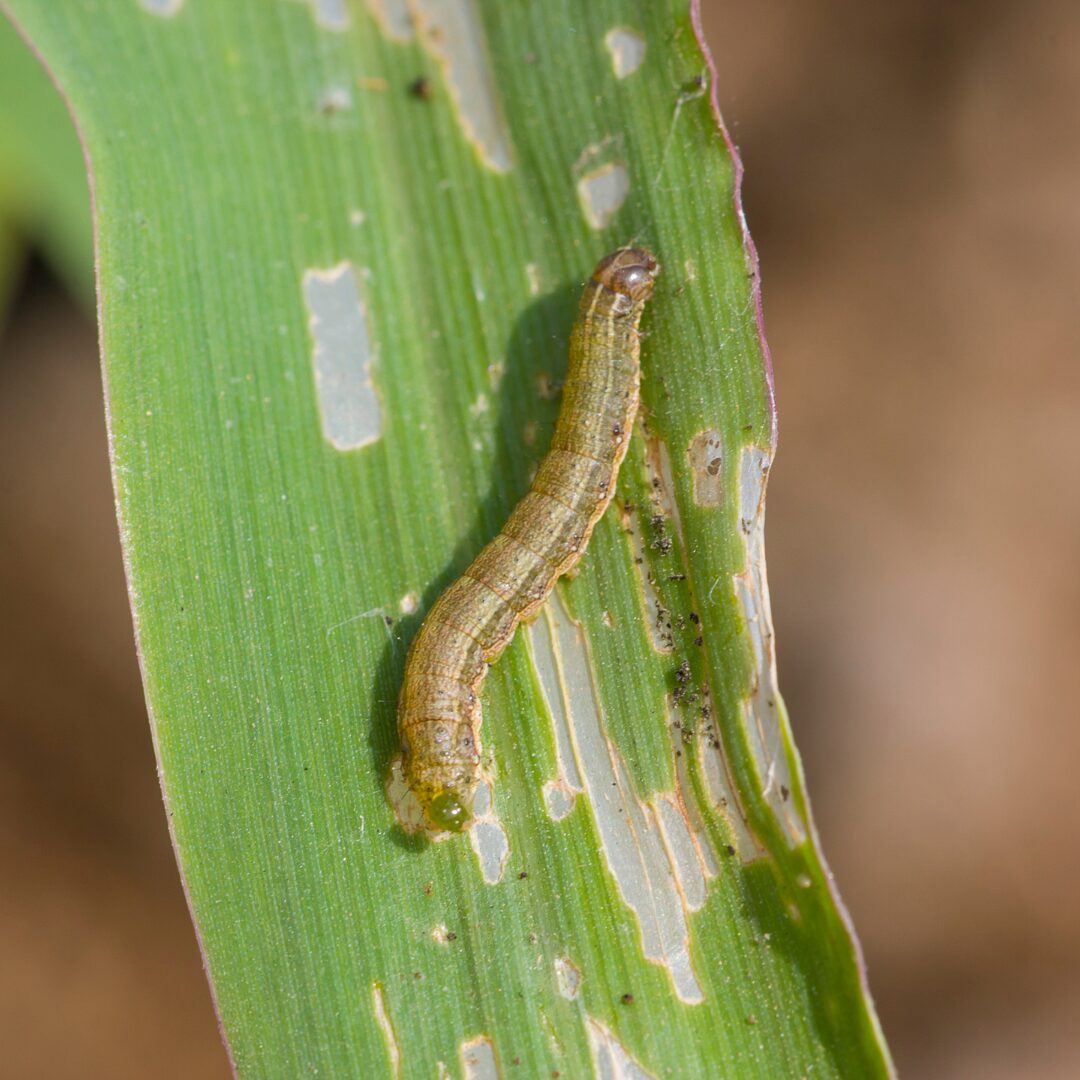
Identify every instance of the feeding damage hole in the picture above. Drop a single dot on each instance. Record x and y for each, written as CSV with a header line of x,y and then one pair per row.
x,y
602,192
721,791
706,456
560,793
761,706
627,48
632,834
532,276
488,836
452,32
478,1059
334,100
343,357
162,7
441,936
382,1018
393,18
567,977
602,181
611,1060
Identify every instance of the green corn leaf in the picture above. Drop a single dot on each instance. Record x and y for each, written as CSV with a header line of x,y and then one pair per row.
x,y
340,246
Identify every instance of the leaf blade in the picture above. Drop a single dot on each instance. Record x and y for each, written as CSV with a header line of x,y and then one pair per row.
x,y
263,562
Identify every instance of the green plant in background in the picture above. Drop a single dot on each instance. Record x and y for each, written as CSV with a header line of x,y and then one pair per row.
x,y
339,248
43,196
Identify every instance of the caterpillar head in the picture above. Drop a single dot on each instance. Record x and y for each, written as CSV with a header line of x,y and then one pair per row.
x,y
628,272
447,811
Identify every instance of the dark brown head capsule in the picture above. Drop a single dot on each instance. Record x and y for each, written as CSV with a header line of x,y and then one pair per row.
x,y
629,272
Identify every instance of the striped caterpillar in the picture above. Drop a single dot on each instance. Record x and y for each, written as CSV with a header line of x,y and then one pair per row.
x,y
475,618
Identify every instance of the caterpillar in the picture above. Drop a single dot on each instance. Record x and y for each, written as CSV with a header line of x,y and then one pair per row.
x,y
475,618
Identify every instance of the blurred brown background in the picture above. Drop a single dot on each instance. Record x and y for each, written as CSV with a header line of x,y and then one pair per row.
x,y
913,184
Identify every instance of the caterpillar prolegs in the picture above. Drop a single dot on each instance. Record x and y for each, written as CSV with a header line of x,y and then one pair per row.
x,y
475,618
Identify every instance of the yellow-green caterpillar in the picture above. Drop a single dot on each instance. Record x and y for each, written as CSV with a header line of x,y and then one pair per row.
x,y
474,620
